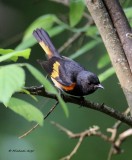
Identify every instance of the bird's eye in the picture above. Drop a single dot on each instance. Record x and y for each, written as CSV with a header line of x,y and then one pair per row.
x,y
89,83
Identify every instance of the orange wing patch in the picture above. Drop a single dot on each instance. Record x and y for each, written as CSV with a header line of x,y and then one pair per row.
x,y
65,88
46,49
55,72
68,88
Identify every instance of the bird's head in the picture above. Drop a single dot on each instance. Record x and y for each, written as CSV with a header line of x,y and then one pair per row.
x,y
88,82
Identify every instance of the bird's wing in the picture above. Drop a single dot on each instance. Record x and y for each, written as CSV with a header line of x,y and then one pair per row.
x,y
55,68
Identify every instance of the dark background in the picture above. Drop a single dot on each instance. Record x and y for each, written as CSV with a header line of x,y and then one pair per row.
x,y
47,142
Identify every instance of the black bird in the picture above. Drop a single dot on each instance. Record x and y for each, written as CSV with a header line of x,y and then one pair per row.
x,y
66,74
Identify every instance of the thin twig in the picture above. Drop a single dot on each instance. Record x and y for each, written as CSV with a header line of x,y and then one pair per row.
x,y
113,130
29,131
51,110
68,157
35,126
123,136
94,131
129,35
69,41
117,124
116,149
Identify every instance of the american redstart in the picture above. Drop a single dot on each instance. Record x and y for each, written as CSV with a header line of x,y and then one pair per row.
x,y
66,74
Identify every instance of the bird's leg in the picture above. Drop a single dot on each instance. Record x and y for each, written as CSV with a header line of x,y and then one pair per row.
x,y
81,101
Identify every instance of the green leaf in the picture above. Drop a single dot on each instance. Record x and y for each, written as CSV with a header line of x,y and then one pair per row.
x,y
103,61
128,13
106,74
126,3
63,105
26,43
26,110
9,54
39,76
31,40
5,51
28,93
12,79
47,85
76,11
45,22
92,31
88,46
56,30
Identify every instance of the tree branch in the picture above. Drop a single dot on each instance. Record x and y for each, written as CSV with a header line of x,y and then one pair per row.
x,y
85,103
114,130
95,131
122,137
92,131
122,26
113,45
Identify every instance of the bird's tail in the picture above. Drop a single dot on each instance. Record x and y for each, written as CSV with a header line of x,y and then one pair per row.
x,y
45,42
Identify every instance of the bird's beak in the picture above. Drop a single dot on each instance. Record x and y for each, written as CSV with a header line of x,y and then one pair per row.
x,y
100,86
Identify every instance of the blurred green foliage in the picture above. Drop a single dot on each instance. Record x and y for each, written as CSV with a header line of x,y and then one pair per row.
x,y
18,20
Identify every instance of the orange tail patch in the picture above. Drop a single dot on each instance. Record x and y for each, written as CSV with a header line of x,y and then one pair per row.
x,y
46,49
